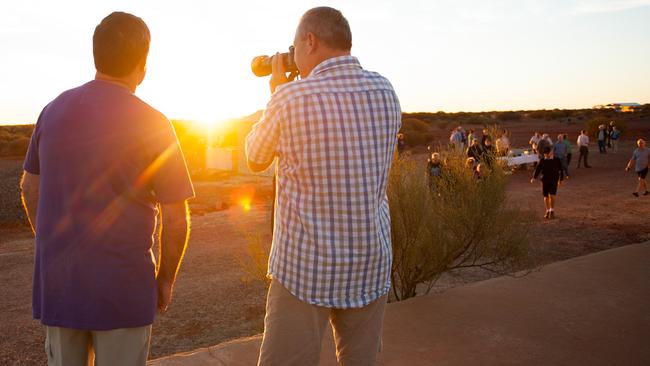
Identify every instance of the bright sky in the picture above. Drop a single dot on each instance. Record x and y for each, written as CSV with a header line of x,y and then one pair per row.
x,y
451,55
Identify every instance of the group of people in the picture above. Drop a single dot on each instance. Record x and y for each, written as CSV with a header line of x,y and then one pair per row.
x,y
554,160
474,147
608,137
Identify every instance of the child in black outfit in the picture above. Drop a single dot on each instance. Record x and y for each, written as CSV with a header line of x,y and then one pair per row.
x,y
552,174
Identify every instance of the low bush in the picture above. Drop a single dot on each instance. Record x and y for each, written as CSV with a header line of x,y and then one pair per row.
x,y
456,223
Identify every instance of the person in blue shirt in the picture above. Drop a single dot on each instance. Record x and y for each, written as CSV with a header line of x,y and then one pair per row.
x,y
100,167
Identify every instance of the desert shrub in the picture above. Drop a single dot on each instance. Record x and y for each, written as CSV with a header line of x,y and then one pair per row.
x,y
17,146
414,124
460,223
416,132
592,125
477,119
14,140
509,116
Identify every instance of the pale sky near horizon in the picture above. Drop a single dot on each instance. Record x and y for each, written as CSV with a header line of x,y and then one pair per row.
x,y
451,55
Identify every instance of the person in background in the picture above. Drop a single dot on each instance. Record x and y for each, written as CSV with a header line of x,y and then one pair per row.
x,y
641,160
401,143
488,152
583,148
543,143
463,137
610,129
479,172
486,135
100,166
503,144
330,260
475,150
569,149
614,138
434,169
552,175
534,141
601,136
560,151
456,140
471,136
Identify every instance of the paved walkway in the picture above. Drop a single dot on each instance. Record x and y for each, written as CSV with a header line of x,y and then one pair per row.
x,y
591,310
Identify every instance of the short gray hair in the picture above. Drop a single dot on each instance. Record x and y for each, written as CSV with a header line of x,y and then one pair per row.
x,y
328,25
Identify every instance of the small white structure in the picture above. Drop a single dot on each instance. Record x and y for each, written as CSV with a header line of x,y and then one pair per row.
x,y
233,158
218,158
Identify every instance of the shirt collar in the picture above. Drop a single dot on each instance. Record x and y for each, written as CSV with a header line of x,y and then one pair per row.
x,y
335,63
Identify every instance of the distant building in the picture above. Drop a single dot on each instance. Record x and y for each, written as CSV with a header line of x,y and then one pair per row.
x,y
620,107
231,156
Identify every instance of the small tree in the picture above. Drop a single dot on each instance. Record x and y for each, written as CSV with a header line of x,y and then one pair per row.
x,y
458,222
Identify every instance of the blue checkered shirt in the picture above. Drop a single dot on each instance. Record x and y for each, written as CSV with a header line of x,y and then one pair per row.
x,y
334,134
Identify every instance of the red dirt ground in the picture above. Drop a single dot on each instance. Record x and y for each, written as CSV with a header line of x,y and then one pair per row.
x,y
213,302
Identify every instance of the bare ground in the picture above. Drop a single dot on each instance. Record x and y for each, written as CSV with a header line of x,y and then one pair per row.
x,y
214,302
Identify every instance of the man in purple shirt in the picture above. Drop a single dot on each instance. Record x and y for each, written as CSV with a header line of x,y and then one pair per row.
x,y
100,165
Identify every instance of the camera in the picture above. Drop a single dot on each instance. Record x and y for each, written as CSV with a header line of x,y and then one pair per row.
x,y
262,65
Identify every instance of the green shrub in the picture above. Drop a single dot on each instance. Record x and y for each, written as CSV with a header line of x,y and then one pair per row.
x,y
509,116
460,223
15,147
414,124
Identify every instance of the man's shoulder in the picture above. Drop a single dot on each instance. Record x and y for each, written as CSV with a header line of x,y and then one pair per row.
x,y
356,81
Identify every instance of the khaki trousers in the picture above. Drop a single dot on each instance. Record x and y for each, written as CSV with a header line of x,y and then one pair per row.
x,y
74,347
293,331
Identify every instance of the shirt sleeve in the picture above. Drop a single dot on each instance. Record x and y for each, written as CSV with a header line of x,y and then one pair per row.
x,y
32,161
170,179
262,141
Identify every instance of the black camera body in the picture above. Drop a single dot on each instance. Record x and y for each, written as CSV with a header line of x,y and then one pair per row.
x,y
262,65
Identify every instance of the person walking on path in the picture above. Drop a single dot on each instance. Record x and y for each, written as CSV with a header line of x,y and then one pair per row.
x,y
560,151
602,136
330,258
552,175
614,138
100,166
583,148
641,160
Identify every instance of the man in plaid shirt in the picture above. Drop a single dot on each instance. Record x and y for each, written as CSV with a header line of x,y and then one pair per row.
x,y
334,133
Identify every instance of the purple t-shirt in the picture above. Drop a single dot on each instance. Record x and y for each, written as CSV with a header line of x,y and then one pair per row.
x,y
105,158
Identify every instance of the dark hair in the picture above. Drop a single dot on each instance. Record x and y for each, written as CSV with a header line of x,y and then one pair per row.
x,y
547,150
329,25
120,43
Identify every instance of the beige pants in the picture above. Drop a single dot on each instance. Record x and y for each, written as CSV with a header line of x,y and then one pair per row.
x,y
73,347
293,331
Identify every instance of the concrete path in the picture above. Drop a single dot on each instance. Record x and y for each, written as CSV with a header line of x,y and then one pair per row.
x,y
591,310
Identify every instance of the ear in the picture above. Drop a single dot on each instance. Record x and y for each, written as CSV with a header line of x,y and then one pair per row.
x,y
311,42
142,70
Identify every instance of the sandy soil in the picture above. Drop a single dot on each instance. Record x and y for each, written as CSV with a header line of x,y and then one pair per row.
x,y
215,302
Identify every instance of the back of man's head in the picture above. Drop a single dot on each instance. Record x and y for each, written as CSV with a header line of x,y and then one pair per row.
x,y
329,26
120,44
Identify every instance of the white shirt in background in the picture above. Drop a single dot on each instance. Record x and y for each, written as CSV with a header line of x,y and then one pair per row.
x,y
583,140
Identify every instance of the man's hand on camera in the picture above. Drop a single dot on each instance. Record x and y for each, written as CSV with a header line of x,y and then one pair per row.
x,y
279,74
